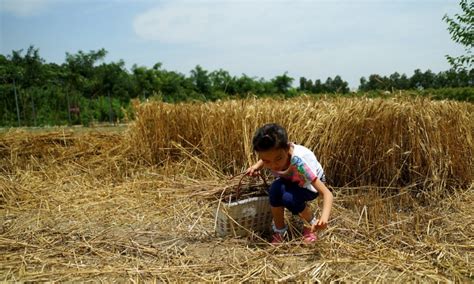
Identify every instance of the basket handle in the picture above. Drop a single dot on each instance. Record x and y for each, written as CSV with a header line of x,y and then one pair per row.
x,y
237,196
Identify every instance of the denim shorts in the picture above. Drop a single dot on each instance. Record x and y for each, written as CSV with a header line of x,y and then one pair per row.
x,y
290,195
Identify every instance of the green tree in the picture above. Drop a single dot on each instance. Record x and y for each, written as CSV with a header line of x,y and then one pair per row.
x,y
263,87
25,75
245,85
305,85
114,79
461,28
328,86
200,79
32,64
318,87
363,85
143,81
80,70
220,81
309,85
175,87
417,80
282,83
303,82
339,86
429,79
8,73
403,83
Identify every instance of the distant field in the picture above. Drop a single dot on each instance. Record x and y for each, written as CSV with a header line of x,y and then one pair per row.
x,y
136,202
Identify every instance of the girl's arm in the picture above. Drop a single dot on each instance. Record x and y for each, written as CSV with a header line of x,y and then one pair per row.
x,y
322,222
254,168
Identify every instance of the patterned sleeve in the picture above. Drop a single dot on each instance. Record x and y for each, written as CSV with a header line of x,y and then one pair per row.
x,y
305,174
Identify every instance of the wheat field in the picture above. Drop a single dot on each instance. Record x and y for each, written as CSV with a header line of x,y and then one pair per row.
x,y
138,205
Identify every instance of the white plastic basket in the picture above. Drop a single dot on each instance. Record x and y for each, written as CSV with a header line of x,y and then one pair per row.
x,y
243,216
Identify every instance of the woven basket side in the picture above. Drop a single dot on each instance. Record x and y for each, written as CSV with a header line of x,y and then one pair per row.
x,y
243,217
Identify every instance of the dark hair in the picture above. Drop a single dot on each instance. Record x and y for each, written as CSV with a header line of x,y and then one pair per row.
x,y
270,136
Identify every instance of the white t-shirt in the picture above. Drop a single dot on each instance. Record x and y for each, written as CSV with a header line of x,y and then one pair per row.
x,y
304,168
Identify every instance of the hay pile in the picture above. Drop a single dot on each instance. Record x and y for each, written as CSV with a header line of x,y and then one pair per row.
x,y
86,205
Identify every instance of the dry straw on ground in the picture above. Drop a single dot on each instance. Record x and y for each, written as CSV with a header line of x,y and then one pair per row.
x,y
139,205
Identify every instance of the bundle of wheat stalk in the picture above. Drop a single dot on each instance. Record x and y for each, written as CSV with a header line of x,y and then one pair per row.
x,y
395,142
103,206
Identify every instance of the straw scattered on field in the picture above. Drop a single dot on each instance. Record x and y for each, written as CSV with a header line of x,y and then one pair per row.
x,y
104,206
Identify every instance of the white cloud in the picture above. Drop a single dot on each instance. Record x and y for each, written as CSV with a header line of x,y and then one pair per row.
x,y
24,8
218,24
276,25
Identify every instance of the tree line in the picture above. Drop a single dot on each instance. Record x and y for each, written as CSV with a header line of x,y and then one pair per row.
x,y
396,81
84,88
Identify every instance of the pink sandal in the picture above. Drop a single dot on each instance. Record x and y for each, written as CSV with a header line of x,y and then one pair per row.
x,y
278,235
277,238
308,236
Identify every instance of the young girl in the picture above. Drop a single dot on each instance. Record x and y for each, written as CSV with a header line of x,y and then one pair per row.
x,y
300,178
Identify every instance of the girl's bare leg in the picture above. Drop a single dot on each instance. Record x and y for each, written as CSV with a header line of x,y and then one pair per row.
x,y
278,217
307,214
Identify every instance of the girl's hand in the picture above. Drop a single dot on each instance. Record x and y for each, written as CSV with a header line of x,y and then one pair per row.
x,y
320,224
252,171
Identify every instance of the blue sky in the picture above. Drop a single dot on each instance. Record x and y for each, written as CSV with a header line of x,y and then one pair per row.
x,y
315,39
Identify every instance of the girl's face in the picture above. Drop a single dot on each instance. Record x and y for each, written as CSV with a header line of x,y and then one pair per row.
x,y
275,159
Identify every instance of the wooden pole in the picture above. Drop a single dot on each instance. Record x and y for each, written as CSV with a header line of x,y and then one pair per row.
x,y
110,108
33,108
16,102
68,107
